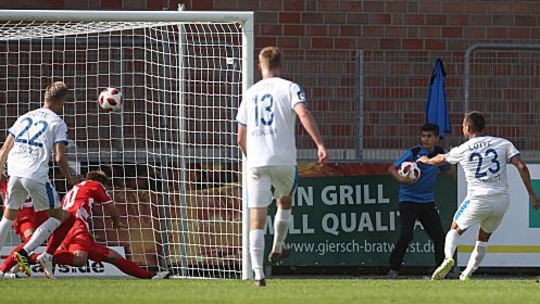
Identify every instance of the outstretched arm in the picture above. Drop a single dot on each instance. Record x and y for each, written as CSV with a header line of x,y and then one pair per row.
x,y
526,178
437,160
311,127
63,165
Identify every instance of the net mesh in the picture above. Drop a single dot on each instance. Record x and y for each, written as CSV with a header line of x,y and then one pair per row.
x,y
171,152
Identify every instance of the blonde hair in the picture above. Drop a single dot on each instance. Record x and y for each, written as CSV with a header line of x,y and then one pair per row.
x,y
56,92
270,57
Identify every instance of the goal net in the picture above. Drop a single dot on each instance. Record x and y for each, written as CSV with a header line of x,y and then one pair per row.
x,y
171,151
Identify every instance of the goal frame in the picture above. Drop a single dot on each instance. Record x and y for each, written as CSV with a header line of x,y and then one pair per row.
x,y
247,61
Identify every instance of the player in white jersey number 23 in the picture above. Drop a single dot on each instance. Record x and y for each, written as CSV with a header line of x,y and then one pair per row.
x,y
483,159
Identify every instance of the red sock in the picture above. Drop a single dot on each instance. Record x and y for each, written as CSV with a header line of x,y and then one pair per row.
x,y
59,235
9,262
131,268
33,258
63,257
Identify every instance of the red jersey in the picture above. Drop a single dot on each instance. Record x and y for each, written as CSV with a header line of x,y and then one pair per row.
x,y
3,187
82,197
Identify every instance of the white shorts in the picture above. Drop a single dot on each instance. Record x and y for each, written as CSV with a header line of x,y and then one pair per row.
x,y
260,180
42,193
488,212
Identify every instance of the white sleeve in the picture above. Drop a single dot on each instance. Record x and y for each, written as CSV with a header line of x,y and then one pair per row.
x,y
297,95
241,115
455,155
61,135
511,151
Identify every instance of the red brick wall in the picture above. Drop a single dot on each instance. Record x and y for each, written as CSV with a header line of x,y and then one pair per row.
x,y
347,24
425,29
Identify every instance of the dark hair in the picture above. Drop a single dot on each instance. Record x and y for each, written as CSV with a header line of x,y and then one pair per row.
x,y
429,127
476,121
98,176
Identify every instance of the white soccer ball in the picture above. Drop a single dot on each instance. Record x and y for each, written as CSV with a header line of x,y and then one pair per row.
x,y
110,99
409,169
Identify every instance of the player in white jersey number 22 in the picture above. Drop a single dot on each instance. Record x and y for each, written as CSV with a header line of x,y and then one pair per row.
x,y
27,150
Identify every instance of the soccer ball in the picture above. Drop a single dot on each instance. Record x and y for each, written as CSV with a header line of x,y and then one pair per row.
x,y
410,170
110,99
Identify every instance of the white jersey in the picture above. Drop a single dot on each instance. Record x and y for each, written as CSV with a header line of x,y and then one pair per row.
x,y
267,111
484,160
35,134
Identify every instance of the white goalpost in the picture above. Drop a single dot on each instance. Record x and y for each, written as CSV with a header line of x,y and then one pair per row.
x,y
171,151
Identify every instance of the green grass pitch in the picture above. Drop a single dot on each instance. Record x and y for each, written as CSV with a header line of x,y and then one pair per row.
x,y
287,291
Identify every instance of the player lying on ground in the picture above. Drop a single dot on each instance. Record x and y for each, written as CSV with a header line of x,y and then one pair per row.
x,y
79,245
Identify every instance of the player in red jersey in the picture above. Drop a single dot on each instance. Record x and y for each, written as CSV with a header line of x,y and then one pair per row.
x,y
79,245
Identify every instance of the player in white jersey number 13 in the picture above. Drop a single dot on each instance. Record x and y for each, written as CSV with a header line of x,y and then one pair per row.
x,y
27,150
483,159
266,135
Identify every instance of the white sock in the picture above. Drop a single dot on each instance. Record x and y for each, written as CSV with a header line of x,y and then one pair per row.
x,y
281,228
450,243
5,226
477,255
256,251
47,256
41,234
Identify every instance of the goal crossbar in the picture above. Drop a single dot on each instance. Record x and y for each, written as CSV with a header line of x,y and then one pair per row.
x,y
139,16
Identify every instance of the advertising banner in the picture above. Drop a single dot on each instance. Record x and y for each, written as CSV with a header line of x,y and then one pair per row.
x,y
91,269
347,215
516,243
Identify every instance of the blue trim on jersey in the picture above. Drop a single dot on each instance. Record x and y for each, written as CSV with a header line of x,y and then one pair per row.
x,y
50,194
301,101
62,142
241,123
296,181
461,209
512,157
422,190
11,133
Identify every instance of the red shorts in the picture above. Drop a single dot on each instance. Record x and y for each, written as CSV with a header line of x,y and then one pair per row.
x,y
79,239
28,219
